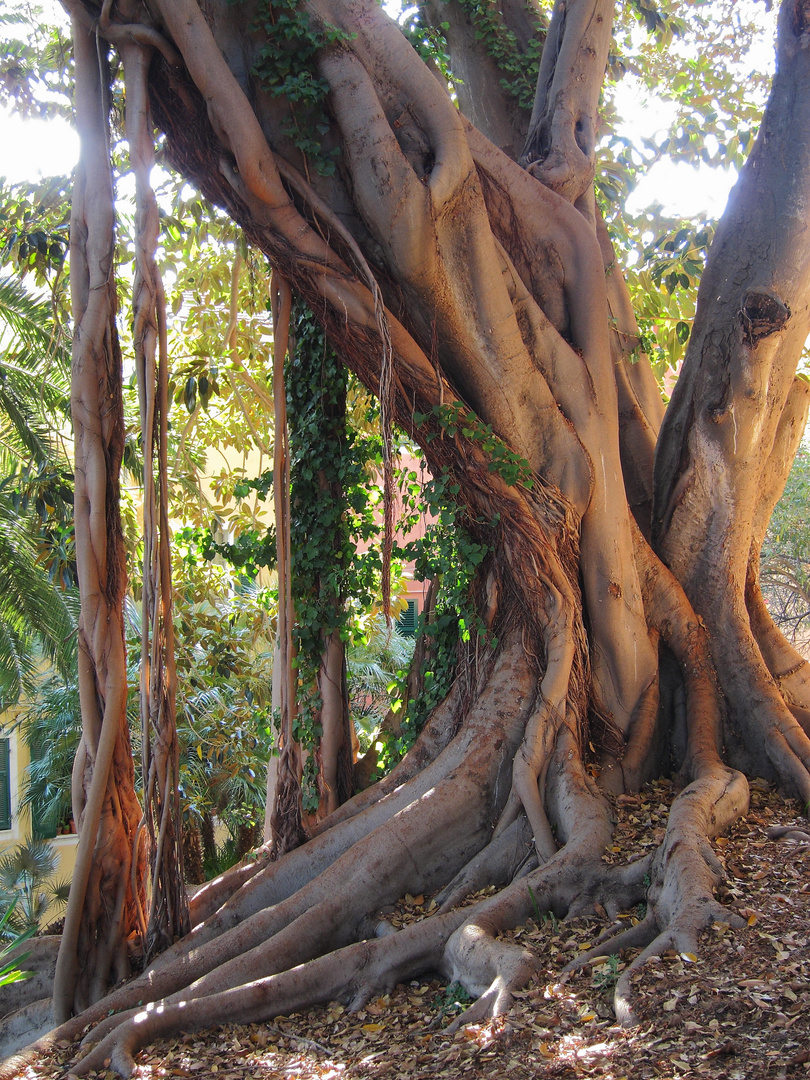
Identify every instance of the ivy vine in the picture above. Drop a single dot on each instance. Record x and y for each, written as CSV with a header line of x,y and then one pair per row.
x,y
330,511
334,511
450,553
456,418
519,68
287,69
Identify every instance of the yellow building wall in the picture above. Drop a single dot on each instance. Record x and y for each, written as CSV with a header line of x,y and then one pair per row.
x,y
20,832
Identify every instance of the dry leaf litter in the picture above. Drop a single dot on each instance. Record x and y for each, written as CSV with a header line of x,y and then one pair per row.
x,y
737,1010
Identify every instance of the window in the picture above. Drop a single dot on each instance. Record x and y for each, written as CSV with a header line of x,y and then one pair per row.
x,y
408,619
39,829
5,785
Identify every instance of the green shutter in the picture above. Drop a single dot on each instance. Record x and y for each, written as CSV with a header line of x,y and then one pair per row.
x,y
407,620
39,830
5,785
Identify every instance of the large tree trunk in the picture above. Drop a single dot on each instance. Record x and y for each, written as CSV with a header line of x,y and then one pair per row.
x,y
483,284
738,413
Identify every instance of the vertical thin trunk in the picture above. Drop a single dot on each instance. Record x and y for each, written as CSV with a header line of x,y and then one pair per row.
x,y
168,908
286,818
107,886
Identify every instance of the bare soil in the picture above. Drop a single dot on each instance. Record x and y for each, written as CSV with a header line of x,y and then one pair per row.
x,y
739,1009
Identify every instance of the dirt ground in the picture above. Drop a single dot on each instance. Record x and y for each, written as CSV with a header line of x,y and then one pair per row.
x,y
737,1010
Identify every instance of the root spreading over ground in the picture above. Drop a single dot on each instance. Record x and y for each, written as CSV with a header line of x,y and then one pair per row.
x,y
737,1008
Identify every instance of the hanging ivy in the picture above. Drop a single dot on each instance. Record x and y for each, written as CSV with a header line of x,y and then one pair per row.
x,y
518,68
330,511
286,68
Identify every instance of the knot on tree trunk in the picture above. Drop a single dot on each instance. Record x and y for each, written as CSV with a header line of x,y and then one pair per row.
x,y
559,153
762,313
569,175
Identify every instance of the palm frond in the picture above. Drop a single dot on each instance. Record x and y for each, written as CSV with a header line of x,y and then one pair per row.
x,y
30,607
30,321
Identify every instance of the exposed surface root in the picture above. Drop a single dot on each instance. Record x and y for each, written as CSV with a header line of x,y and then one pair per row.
x,y
349,975
465,944
259,882
506,856
734,993
487,968
442,813
461,943
683,876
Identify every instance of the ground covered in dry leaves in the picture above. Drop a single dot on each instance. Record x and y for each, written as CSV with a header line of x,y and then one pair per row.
x,y
738,1010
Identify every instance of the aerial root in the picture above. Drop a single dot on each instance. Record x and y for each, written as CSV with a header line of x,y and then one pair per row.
x,y
532,759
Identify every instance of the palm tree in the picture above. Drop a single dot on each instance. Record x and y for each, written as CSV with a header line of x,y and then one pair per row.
x,y
35,492
374,661
25,884
51,726
34,378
